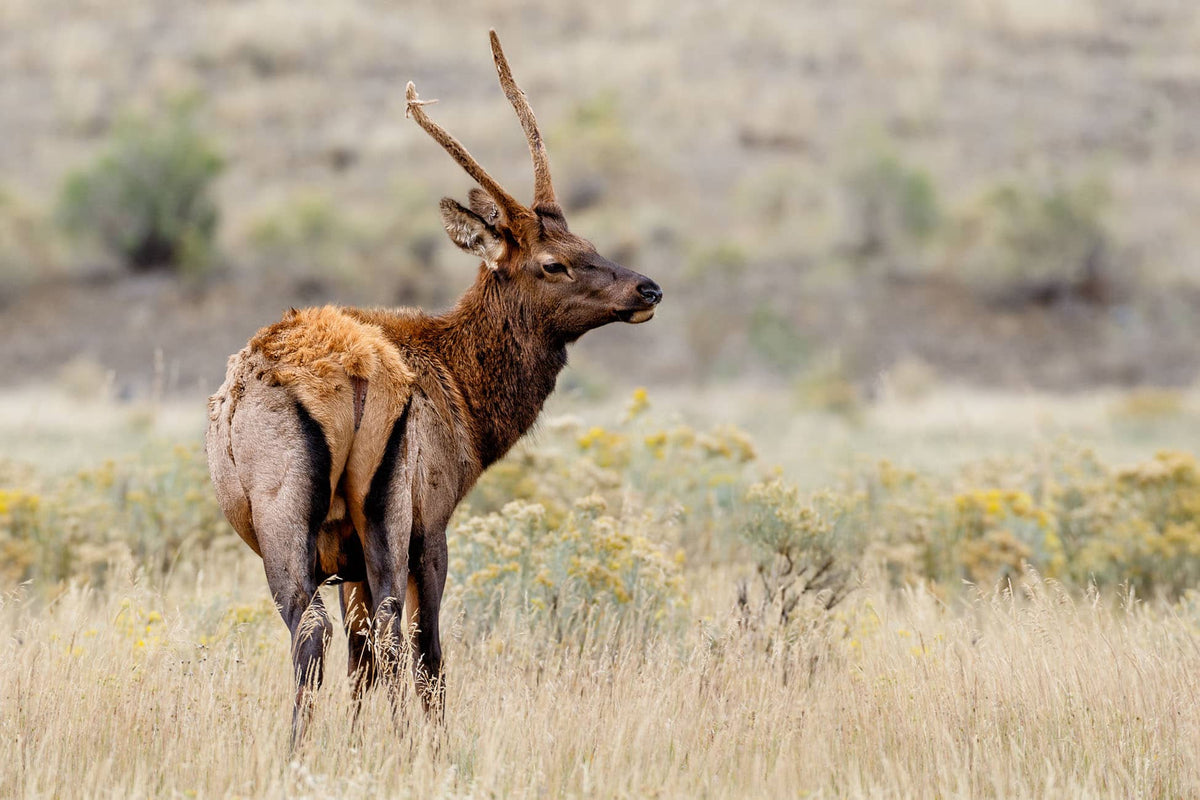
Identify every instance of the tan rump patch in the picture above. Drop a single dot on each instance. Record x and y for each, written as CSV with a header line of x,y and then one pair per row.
x,y
321,353
327,359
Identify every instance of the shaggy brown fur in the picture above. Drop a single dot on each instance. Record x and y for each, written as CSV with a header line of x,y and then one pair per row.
x,y
342,439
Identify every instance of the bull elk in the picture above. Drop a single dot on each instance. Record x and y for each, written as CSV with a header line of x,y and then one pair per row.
x,y
342,438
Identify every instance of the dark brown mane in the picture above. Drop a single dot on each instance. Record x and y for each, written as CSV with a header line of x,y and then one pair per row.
x,y
500,361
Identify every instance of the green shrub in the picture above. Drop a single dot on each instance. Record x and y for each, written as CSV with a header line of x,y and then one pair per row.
x,y
892,211
307,236
593,144
313,239
147,197
802,545
715,283
27,244
776,339
1027,238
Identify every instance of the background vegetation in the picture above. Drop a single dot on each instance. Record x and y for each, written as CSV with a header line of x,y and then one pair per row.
x,y
999,189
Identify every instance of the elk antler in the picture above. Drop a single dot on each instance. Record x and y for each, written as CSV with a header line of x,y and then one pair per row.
x,y
543,188
507,203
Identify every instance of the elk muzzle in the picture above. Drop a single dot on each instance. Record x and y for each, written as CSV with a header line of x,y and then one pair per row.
x,y
649,295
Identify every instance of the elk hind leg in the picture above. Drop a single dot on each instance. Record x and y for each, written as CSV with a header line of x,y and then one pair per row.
x,y
303,611
283,457
387,523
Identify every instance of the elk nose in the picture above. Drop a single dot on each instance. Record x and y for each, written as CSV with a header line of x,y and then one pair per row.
x,y
650,292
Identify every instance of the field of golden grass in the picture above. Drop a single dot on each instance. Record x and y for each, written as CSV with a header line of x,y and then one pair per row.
x,y
1033,693
1027,693
142,669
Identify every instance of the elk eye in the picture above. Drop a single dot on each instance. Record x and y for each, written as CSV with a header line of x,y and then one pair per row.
x,y
554,269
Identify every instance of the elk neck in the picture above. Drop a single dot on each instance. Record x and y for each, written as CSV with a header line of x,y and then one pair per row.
x,y
505,359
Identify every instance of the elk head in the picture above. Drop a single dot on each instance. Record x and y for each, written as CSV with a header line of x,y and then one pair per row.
x,y
528,252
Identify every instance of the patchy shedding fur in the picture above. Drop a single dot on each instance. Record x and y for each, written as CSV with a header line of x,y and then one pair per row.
x,y
327,360
317,352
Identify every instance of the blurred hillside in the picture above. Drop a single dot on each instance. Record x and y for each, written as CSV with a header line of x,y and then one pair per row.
x,y
855,195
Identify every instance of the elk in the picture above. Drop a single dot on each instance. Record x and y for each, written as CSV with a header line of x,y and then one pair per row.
x,y
342,439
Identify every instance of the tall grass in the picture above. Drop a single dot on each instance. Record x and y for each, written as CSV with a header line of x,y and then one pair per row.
x,y
1027,693
631,612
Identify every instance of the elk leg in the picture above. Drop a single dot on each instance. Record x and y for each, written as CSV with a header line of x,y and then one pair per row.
x,y
390,642
387,583
428,561
387,523
304,613
356,618
385,601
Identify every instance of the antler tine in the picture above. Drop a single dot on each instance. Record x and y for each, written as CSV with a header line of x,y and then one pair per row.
x,y
508,204
543,187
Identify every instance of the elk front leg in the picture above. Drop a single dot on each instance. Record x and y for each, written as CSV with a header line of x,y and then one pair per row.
x,y
427,566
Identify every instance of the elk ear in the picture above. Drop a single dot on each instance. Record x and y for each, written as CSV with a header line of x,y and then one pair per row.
x,y
469,231
482,204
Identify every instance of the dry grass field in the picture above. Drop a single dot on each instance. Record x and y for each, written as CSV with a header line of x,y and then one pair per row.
x,y
142,656
131,693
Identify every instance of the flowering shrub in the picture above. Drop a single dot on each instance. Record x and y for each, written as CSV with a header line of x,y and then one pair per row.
x,y
145,512
561,573
588,521
598,518
694,478
1063,512
802,544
